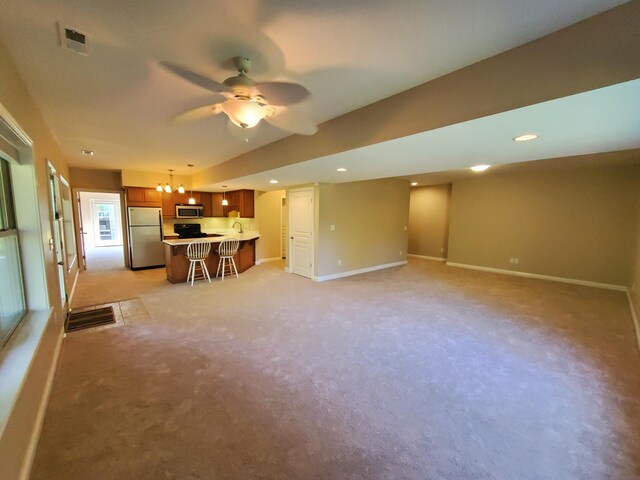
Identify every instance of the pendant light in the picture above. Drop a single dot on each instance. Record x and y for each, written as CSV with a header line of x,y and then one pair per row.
x,y
192,201
168,187
225,202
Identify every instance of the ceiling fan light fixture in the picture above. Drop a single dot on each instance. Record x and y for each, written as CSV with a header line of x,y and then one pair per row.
x,y
159,188
244,113
181,189
167,188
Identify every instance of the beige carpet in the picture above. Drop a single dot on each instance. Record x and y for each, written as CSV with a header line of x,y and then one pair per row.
x,y
418,372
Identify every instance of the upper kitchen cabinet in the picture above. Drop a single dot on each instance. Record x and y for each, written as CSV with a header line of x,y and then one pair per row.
x,y
170,200
205,200
217,210
239,200
143,197
246,204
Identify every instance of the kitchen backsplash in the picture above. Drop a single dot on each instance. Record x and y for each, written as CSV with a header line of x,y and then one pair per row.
x,y
211,222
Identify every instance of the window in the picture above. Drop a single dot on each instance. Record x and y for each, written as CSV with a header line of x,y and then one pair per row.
x,y
12,301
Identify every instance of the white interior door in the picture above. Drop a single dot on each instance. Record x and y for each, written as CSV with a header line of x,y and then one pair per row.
x,y
57,242
106,223
301,220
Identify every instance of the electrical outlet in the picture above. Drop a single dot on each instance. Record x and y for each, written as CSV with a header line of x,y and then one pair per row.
x,y
339,262
442,250
516,261
511,260
332,227
400,252
405,228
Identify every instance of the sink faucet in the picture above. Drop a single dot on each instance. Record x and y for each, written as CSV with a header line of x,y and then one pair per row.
x,y
237,223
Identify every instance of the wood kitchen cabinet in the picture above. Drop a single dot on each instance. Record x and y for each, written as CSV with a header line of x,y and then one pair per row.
x,y
170,200
217,210
246,256
205,200
239,200
143,197
177,264
169,204
246,203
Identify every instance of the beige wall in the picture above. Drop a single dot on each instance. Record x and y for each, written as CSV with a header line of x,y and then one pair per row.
x,y
429,220
15,438
578,224
370,219
268,216
86,179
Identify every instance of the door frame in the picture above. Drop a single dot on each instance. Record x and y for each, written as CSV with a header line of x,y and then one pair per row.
x,y
284,205
290,192
95,220
123,222
57,233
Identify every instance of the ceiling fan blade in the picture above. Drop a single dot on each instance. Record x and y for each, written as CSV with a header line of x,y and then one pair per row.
x,y
198,114
291,121
282,93
196,78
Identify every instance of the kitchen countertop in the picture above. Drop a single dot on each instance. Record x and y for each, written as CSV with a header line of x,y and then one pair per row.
x,y
224,234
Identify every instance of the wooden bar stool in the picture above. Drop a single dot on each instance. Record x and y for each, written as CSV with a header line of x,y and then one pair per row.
x,y
227,249
197,253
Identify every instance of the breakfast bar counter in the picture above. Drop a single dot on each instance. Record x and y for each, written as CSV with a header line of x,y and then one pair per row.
x,y
177,264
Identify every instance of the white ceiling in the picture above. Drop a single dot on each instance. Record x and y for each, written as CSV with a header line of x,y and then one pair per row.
x,y
348,53
603,120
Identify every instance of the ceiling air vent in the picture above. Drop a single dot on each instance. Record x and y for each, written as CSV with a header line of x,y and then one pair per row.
x,y
74,39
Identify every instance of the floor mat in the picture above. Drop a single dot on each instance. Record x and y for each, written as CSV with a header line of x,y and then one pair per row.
x,y
89,318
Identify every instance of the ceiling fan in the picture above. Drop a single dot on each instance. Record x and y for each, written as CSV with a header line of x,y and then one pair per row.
x,y
246,101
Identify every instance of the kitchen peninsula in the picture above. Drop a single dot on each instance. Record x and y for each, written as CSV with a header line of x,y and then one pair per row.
x,y
177,264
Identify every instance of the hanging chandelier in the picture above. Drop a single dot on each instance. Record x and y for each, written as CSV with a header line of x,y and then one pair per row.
x,y
168,187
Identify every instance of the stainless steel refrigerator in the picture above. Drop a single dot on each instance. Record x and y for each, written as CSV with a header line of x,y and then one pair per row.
x,y
145,237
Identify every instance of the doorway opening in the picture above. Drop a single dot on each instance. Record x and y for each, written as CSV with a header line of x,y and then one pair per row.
x,y
100,218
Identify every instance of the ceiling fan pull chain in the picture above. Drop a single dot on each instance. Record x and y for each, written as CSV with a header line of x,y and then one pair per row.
x,y
244,132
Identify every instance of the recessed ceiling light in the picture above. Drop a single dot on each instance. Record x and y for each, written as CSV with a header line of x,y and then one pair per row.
x,y
480,168
87,152
526,137
341,169
273,181
413,184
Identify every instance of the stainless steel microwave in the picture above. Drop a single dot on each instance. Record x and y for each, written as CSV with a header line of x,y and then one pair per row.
x,y
189,211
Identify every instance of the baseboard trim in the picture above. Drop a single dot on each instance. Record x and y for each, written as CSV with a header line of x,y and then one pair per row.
x,y
607,286
265,260
42,409
634,317
435,259
333,276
